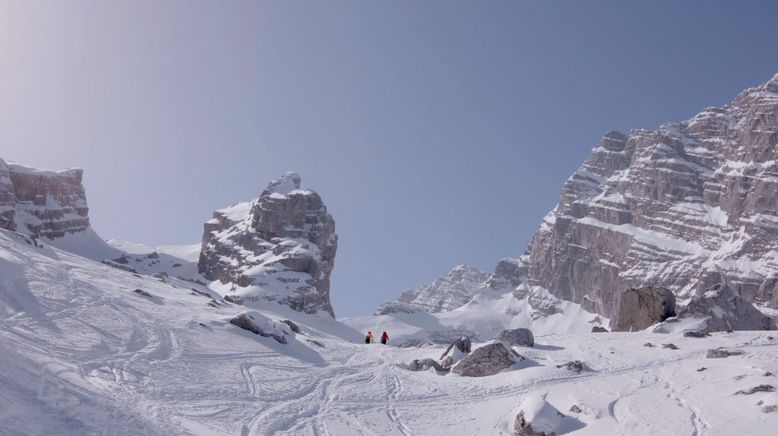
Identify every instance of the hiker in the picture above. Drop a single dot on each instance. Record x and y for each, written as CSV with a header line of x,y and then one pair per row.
x,y
384,338
369,337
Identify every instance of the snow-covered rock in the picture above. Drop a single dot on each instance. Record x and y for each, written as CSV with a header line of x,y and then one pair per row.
x,y
517,337
722,309
640,308
51,206
279,247
488,359
537,417
684,207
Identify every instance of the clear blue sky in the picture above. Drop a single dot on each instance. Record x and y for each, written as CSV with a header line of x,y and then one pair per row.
x,y
437,132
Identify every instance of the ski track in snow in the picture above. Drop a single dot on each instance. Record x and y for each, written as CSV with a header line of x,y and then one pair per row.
x,y
85,355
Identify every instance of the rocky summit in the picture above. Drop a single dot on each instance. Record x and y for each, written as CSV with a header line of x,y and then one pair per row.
x,y
279,247
42,203
684,207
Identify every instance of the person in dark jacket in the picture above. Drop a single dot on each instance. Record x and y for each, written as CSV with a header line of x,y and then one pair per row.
x,y
369,337
384,337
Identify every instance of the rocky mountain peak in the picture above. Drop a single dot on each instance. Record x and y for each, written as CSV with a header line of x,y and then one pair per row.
x,y
279,247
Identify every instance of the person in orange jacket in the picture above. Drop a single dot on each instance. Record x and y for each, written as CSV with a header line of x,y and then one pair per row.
x,y
384,337
369,337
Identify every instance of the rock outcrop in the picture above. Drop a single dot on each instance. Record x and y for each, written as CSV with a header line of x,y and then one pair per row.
x,y
51,206
640,308
724,310
424,365
279,247
537,417
486,360
516,337
450,291
683,207
41,203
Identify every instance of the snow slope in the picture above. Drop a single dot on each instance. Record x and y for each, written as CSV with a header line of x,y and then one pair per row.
x,y
83,354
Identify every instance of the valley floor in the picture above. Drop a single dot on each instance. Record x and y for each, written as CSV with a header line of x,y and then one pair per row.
x,y
82,354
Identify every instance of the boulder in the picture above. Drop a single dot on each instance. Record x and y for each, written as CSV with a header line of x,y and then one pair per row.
x,y
598,329
456,351
425,364
695,334
486,360
720,353
755,389
294,327
639,308
574,366
251,322
724,310
537,417
517,337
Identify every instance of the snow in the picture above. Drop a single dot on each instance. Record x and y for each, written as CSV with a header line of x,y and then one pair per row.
x,y
83,354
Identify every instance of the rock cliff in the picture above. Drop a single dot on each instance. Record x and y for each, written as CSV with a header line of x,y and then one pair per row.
x,y
279,247
684,207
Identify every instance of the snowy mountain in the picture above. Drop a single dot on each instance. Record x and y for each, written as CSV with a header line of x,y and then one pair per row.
x,y
279,247
688,206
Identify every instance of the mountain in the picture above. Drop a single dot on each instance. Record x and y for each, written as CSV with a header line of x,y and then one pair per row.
x,y
687,206
50,206
279,247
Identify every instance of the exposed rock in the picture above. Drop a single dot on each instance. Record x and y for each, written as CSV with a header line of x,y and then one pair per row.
x,y
508,274
640,308
250,322
450,291
720,353
574,366
724,310
455,352
425,364
280,247
770,409
670,346
537,417
517,337
142,292
294,327
598,329
683,207
234,299
768,374
486,360
755,389
695,334
575,409
648,344
50,205
702,369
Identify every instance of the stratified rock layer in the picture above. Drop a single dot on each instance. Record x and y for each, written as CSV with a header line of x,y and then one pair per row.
x,y
41,203
684,207
280,247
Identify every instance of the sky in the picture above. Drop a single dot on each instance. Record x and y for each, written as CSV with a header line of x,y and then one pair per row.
x,y
438,133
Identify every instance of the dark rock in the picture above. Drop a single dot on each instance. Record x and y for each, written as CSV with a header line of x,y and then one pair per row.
x,y
648,344
153,255
670,346
462,344
575,409
486,360
642,307
598,329
295,328
755,389
524,428
233,299
574,366
142,292
517,337
175,265
770,409
246,322
768,374
720,353
425,364
695,334
702,369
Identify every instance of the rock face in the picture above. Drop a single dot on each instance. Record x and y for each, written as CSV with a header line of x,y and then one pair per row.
x,y
683,207
457,287
486,360
517,337
640,308
41,203
724,310
279,247
448,292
